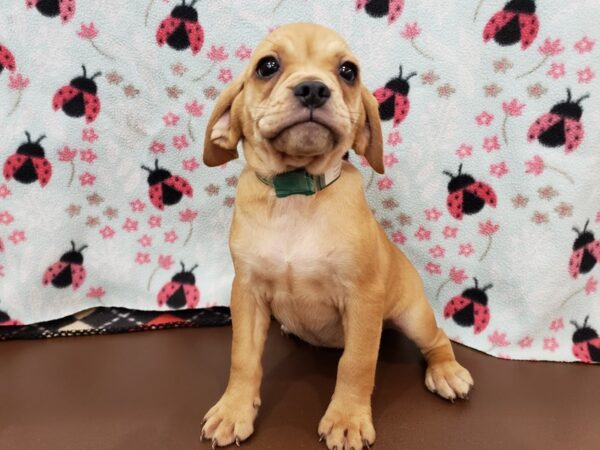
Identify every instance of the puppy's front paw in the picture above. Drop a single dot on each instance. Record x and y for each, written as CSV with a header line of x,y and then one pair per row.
x,y
346,427
449,380
230,420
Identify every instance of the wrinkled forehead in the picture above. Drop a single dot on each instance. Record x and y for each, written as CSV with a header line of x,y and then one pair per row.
x,y
305,44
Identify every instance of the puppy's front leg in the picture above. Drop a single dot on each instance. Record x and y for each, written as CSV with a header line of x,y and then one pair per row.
x,y
232,418
347,423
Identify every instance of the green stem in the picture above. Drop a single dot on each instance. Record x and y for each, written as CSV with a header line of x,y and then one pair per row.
x,y
189,235
529,72
477,10
487,248
16,105
148,8
439,291
278,5
504,129
561,172
189,127
151,277
72,173
371,178
103,53
419,50
208,71
579,291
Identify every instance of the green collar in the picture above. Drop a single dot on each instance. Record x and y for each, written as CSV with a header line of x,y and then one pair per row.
x,y
300,182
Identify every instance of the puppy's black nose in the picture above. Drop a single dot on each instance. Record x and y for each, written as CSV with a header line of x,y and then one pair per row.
x,y
312,94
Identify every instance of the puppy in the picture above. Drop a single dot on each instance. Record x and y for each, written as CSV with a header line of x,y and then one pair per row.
x,y
305,245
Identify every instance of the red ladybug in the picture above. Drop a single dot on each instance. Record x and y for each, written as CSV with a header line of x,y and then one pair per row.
x,y
516,22
166,189
586,343
181,29
29,163
79,97
7,60
380,8
180,291
68,271
467,196
561,126
393,98
586,252
52,8
6,321
470,308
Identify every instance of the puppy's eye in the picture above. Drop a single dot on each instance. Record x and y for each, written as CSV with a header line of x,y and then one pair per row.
x,y
348,71
267,67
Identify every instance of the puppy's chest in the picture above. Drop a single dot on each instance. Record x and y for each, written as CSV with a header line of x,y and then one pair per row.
x,y
292,252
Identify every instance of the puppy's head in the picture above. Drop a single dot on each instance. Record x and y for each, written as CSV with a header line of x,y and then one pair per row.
x,y
300,102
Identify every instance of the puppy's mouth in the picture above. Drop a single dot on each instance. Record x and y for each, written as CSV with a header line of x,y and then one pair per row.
x,y
313,119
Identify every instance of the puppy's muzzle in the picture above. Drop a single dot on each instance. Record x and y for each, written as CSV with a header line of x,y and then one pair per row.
x,y
312,94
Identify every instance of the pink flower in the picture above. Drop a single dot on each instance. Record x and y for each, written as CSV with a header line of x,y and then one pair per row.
x,y
410,31
449,232
499,170
17,82
17,236
433,214
385,183
130,225
394,138
4,191
142,258
585,75
458,276
389,160
194,108
145,240
243,52
491,143
465,250
190,164
597,214
66,154
557,325
557,70
484,118
107,232
488,228
157,147
88,31
89,135
225,75
437,251
464,150
591,286
95,292
498,339
433,268
6,218
87,179
550,47
165,261
584,45
188,215
550,344
171,236
217,54
137,205
398,237
154,221
180,142
88,155
513,108
525,342
170,119
535,165
423,234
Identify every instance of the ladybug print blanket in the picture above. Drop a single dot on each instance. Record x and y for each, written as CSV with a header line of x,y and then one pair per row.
x,y
491,130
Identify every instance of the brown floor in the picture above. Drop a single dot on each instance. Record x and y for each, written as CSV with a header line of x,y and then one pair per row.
x,y
150,391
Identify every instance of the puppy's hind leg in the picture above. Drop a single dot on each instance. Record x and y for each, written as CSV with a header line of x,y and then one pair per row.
x,y
444,375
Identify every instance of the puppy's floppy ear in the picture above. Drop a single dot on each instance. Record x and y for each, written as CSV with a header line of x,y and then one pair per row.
x,y
224,129
369,140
